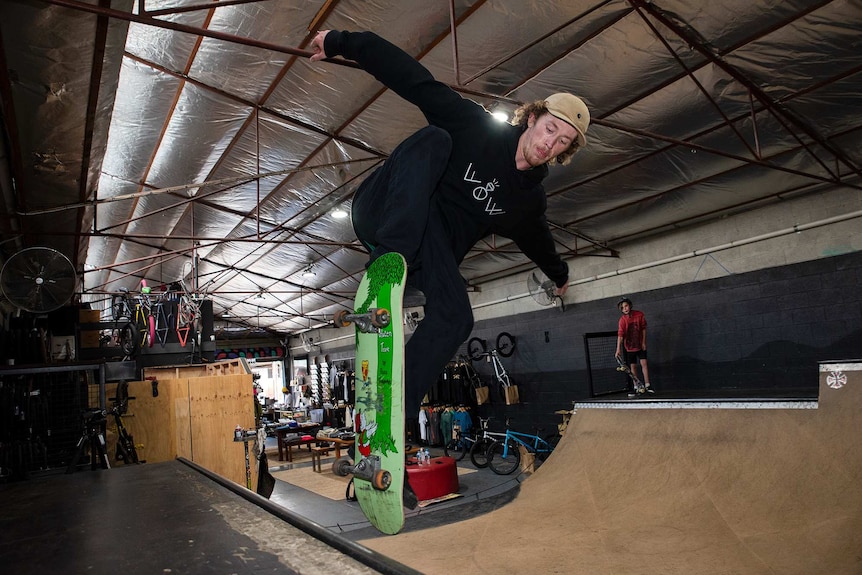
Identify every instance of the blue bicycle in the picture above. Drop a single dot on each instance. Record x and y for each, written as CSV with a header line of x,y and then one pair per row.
x,y
504,454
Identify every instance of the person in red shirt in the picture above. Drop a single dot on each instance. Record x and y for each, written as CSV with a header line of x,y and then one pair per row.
x,y
631,340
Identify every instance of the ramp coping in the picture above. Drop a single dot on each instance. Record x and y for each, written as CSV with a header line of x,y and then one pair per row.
x,y
695,404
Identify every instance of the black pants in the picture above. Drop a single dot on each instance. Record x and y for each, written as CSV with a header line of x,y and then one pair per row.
x,y
394,210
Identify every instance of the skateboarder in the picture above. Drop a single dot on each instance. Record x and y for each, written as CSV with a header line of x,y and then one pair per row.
x,y
449,185
631,340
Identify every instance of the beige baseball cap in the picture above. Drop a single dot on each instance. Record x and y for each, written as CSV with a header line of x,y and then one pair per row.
x,y
572,110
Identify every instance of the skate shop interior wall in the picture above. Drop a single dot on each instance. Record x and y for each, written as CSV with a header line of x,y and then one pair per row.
x,y
756,317
686,255
597,278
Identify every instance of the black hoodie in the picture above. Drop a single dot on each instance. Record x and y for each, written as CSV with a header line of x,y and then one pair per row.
x,y
481,192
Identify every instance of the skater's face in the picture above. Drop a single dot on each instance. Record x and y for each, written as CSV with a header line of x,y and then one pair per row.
x,y
545,138
625,307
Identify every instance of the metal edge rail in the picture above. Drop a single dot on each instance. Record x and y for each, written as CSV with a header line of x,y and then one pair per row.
x,y
354,550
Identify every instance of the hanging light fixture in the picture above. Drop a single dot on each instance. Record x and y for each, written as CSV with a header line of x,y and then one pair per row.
x,y
339,213
309,272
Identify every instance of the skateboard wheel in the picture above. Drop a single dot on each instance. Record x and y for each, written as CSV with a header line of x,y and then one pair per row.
x,y
381,480
339,319
380,317
342,467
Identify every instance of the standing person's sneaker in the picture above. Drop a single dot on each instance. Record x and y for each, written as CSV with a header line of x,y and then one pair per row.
x,y
649,389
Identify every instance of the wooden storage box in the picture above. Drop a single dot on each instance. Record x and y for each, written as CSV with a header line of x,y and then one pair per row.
x,y
89,316
88,338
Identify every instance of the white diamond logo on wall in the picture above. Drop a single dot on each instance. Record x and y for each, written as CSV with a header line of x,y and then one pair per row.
x,y
836,380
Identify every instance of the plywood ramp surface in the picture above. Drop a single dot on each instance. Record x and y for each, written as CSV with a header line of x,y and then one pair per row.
x,y
675,491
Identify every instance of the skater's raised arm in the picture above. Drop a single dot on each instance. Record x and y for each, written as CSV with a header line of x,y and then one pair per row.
x,y
399,72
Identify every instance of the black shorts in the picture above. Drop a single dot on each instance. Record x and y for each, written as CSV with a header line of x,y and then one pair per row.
x,y
630,357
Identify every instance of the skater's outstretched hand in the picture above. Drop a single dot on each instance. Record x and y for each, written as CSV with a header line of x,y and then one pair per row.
x,y
317,46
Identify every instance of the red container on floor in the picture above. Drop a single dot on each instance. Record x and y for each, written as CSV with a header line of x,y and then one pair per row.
x,y
435,479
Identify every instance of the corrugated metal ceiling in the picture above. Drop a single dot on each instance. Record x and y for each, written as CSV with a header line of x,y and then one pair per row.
x,y
141,141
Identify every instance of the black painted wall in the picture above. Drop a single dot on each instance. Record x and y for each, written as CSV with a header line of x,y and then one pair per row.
x,y
764,330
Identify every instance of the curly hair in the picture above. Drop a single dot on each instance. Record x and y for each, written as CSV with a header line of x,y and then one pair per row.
x,y
538,108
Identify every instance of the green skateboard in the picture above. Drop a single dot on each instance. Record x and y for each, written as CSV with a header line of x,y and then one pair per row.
x,y
378,475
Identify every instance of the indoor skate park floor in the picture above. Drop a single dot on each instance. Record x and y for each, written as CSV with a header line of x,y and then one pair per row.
x,y
699,487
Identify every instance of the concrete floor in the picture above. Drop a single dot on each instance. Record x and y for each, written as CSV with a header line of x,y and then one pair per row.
x,y
481,492
161,518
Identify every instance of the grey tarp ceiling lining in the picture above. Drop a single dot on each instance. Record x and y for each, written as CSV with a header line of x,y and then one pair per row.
x,y
228,146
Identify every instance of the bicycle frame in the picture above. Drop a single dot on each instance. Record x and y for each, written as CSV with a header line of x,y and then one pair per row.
x,y
488,434
145,322
482,441
126,450
187,319
123,311
505,347
499,371
459,444
535,444
163,322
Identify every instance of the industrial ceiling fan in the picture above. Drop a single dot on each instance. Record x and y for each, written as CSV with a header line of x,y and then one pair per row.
x,y
542,291
38,280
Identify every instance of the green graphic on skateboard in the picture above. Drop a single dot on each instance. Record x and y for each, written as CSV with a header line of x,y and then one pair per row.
x,y
378,475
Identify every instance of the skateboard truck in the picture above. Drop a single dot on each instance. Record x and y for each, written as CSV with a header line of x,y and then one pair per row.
x,y
368,469
368,322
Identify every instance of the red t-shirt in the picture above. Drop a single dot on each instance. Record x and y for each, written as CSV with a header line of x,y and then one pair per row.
x,y
631,329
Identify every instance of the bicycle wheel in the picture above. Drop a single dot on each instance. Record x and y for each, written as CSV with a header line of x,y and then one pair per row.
x,y
505,344
478,453
476,348
553,439
456,448
500,464
120,454
470,376
128,340
141,324
126,451
130,449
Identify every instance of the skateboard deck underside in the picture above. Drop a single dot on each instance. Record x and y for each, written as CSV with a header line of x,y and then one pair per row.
x,y
379,413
